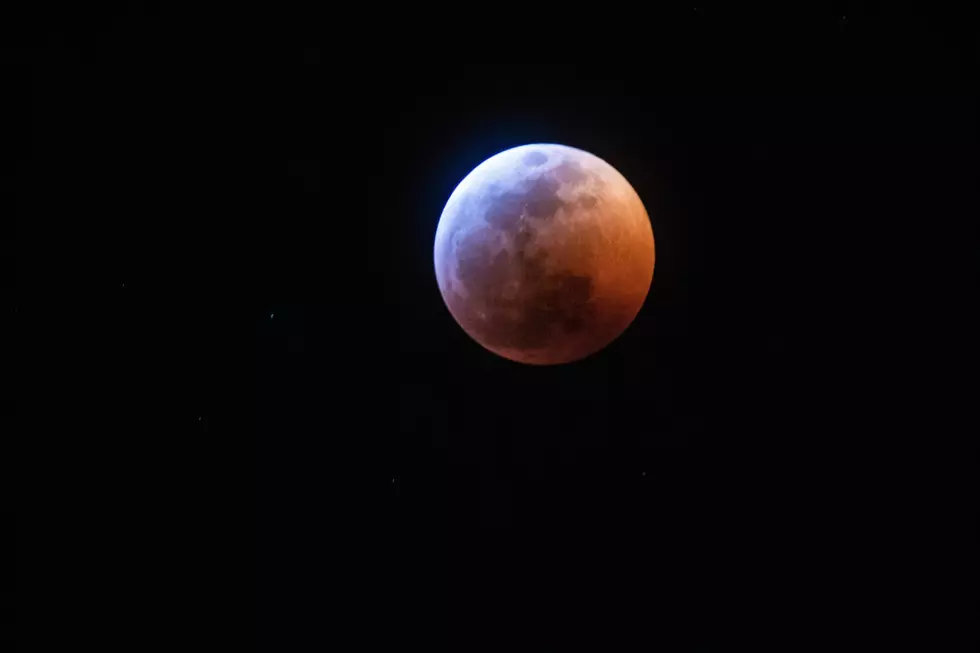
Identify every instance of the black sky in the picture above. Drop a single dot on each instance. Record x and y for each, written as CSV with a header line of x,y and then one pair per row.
x,y
240,213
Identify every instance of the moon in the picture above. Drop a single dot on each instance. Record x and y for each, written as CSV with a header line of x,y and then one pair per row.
x,y
544,254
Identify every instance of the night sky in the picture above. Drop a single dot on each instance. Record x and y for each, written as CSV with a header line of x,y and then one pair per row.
x,y
293,442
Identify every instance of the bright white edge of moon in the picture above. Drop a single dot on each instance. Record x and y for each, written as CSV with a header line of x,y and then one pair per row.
x,y
507,165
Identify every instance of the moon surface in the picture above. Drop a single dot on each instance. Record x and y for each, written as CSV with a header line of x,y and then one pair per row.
x,y
544,254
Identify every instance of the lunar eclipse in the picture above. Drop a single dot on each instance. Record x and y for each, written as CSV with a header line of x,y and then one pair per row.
x,y
544,254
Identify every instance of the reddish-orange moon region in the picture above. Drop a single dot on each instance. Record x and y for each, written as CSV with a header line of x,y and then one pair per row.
x,y
544,254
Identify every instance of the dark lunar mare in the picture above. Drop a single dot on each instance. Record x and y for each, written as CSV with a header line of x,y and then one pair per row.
x,y
545,304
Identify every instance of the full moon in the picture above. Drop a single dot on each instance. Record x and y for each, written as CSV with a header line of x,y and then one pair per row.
x,y
544,254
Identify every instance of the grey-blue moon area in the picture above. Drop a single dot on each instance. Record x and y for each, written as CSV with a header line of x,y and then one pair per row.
x,y
544,254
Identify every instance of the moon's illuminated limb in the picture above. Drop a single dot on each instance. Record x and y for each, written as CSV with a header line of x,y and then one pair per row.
x,y
544,254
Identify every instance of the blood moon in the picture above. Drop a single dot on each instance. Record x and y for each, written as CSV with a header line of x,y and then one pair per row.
x,y
544,254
